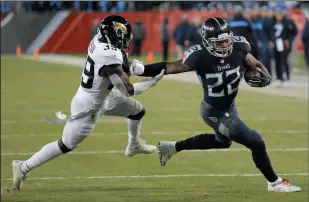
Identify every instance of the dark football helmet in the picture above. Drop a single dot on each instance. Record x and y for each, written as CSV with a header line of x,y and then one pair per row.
x,y
116,30
217,37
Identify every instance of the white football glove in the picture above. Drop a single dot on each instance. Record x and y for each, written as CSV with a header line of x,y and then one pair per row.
x,y
136,68
144,85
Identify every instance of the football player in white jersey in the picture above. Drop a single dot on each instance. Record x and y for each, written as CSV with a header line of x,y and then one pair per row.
x,y
102,72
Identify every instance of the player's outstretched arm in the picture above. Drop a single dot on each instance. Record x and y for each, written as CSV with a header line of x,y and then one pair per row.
x,y
121,80
177,67
155,68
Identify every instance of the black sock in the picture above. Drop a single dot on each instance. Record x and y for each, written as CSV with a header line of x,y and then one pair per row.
x,y
262,162
202,141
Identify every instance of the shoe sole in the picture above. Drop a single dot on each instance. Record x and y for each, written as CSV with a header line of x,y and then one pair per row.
x,y
140,152
16,181
160,154
272,190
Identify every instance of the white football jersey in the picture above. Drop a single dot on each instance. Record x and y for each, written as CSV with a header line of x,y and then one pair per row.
x,y
94,89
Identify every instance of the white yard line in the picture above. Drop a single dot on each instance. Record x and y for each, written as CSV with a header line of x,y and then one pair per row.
x,y
144,133
120,151
155,176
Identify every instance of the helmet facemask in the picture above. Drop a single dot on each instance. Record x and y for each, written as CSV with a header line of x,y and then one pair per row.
x,y
213,44
127,41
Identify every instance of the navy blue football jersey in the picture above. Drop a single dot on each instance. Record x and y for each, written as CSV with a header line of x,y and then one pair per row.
x,y
219,77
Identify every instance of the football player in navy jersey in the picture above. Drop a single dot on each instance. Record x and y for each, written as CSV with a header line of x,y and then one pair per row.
x,y
219,63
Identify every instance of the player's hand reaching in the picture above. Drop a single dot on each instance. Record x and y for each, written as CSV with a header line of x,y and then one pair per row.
x,y
160,76
136,68
154,80
144,85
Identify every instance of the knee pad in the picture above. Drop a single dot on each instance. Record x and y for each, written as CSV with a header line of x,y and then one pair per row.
x,y
137,116
63,147
223,141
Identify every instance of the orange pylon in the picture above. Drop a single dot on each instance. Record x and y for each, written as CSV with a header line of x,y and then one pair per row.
x,y
36,54
18,51
150,57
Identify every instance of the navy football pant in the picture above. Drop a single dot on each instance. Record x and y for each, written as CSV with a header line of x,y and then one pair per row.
x,y
228,127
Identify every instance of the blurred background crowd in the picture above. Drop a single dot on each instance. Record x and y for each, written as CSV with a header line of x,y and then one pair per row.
x,y
122,6
266,25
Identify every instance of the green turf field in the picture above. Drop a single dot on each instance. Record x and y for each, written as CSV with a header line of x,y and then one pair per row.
x,y
98,170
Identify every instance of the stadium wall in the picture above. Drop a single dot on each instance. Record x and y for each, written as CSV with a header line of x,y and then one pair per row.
x,y
73,35
21,30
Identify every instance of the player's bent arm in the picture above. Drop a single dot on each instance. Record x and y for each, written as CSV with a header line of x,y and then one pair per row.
x,y
155,68
118,78
258,81
121,80
254,63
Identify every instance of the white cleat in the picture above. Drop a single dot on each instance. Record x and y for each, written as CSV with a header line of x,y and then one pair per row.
x,y
139,147
283,186
18,176
165,151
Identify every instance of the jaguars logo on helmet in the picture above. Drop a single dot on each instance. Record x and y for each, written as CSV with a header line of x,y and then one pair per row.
x,y
116,30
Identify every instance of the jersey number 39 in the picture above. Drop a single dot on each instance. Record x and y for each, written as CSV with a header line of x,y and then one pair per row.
x,y
88,74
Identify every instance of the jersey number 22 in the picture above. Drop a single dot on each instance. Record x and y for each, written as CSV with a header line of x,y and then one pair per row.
x,y
219,77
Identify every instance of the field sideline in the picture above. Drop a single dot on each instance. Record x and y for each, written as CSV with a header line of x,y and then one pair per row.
x,y
98,170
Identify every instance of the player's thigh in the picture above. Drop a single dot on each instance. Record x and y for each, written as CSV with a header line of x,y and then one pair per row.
x,y
76,130
120,105
227,124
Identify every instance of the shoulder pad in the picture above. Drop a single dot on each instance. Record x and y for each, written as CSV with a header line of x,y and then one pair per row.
x,y
240,43
191,56
107,54
191,50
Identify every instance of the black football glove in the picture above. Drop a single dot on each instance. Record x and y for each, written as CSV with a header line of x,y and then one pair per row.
x,y
258,81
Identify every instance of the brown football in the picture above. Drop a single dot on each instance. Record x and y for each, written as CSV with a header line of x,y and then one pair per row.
x,y
252,72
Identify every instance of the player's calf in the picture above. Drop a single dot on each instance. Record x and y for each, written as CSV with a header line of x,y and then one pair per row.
x,y
48,152
203,141
136,145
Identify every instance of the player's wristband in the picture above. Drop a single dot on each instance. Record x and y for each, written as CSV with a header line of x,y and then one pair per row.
x,y
154,69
